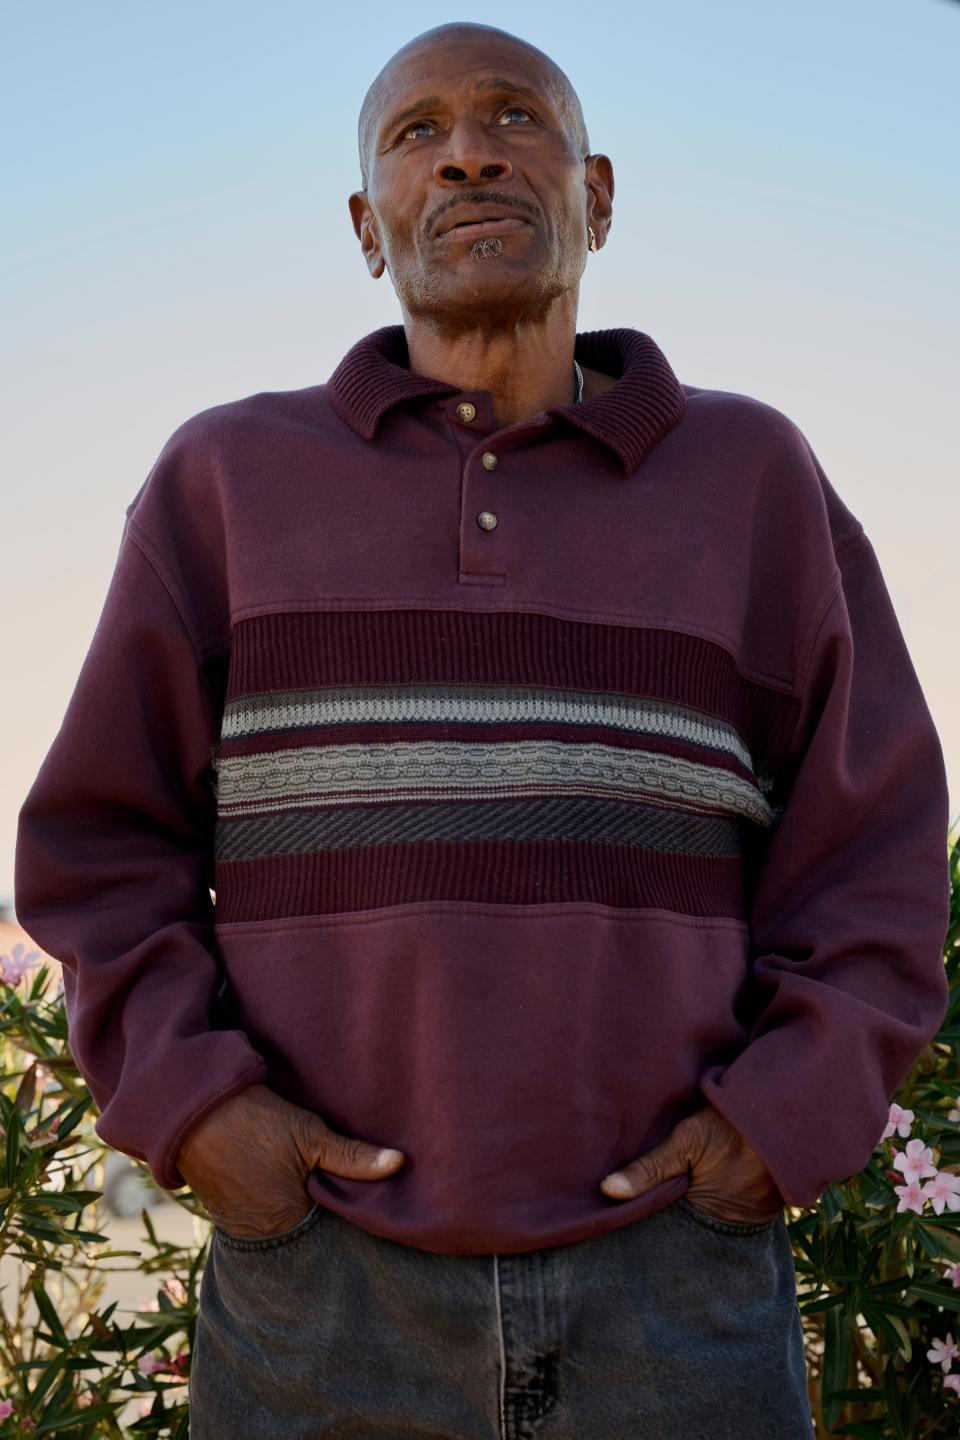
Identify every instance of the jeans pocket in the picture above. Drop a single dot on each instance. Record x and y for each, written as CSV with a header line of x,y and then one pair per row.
x,y
726,1227
275,1240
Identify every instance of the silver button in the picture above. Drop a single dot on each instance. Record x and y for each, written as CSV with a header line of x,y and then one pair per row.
x,y
489,460
487,520
466,412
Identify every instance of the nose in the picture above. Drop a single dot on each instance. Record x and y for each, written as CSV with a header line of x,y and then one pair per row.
x,y
470,156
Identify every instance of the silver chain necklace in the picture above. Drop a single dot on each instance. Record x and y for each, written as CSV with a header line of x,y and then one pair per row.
x,y
578,375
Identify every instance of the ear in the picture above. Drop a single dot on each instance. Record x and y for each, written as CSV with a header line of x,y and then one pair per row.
x,y
599,182
365,227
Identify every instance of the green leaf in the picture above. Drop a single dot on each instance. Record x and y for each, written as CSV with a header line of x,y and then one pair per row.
x,y
906,1345
50,1374
13,1146
947,1239
943,1295
828,1303
48,1313
896,1409
928,1241
98,1411
881,1324
836,1363
65,1202
829,1205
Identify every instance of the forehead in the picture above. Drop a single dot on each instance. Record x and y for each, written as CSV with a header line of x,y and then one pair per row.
x,y
448,64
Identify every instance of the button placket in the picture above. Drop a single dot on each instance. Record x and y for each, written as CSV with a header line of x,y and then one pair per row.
x,y
487,519
488,542
482,556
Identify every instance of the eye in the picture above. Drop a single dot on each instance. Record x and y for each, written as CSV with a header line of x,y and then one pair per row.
x,y
513,110
417,125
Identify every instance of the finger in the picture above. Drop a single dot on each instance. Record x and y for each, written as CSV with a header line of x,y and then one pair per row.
x,y
345,1154
671,1157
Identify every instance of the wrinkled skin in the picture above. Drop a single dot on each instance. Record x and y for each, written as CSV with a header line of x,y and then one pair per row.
x,y
464,118
727,1177
248,1159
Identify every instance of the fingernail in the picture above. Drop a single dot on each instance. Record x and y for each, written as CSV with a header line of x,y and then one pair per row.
x,y
386,1158
619,1183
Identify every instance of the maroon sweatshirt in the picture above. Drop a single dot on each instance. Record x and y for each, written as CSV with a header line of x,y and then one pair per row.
x,y
551,781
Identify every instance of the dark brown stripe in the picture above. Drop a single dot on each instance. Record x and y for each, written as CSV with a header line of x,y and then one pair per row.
x,y
305,649
492,872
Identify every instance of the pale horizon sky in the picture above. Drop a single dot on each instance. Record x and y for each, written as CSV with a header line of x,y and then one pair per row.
x,y
177,235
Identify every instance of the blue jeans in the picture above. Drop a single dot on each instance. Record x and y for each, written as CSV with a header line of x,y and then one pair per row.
x,y
677,1325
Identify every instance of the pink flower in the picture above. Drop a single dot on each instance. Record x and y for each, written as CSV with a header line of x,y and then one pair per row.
x,y
943,1188
147,1364
900,1120
915,1161
953,1114
943,1352
175,1288
13,970
952,1273
952,1382
6,1409
911,1197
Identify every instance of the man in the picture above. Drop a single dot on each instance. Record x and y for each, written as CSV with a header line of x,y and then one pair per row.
x,y
576,822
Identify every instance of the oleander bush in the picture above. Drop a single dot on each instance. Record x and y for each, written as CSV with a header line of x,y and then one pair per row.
x,y
878,1259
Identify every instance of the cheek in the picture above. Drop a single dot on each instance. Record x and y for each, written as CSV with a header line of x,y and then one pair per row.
x,y
399,235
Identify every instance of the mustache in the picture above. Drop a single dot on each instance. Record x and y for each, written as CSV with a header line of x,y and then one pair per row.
x,y
480,197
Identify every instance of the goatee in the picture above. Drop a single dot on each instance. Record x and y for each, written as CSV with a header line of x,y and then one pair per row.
x,y
490,245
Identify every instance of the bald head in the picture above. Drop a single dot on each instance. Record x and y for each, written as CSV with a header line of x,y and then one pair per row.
x,y
379,93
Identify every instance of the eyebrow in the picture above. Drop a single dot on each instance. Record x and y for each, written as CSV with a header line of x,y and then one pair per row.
x,y
433,102
512,85
429,102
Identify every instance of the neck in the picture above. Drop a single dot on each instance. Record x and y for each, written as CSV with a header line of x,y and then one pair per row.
x,y
525,367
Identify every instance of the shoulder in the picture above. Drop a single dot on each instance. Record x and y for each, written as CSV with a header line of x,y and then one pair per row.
x,y
183,512
776,459
214,430
744,420
206,450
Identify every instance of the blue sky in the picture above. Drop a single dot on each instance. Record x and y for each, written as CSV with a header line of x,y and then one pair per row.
x,y
786,214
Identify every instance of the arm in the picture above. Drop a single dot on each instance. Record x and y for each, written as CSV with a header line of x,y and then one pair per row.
x,y
850,905
113,868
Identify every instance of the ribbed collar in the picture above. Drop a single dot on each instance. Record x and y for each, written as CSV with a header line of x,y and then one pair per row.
x,y
630,417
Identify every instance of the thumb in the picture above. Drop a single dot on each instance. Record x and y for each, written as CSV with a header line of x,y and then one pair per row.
x,y
344,1154
671,1157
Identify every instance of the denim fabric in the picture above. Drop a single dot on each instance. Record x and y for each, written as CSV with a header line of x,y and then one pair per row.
x,y
678,1324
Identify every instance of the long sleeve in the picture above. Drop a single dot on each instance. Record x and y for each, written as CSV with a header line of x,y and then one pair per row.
x,y
113,867
850,903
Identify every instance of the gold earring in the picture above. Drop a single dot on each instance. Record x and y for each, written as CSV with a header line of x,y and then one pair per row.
x,y
593,238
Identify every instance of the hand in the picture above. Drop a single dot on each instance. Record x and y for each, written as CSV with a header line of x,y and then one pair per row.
x,y
727,1177
247,1160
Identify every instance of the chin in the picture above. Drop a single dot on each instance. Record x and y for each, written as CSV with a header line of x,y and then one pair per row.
x,y
492,288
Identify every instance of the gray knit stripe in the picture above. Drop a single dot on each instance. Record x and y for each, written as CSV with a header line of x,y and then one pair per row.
x,y
408,770
476,705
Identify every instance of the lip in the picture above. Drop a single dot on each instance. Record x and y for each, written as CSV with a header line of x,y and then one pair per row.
x,y
464,227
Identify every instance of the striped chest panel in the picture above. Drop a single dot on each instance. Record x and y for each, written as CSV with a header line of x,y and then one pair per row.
x,y
373,758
